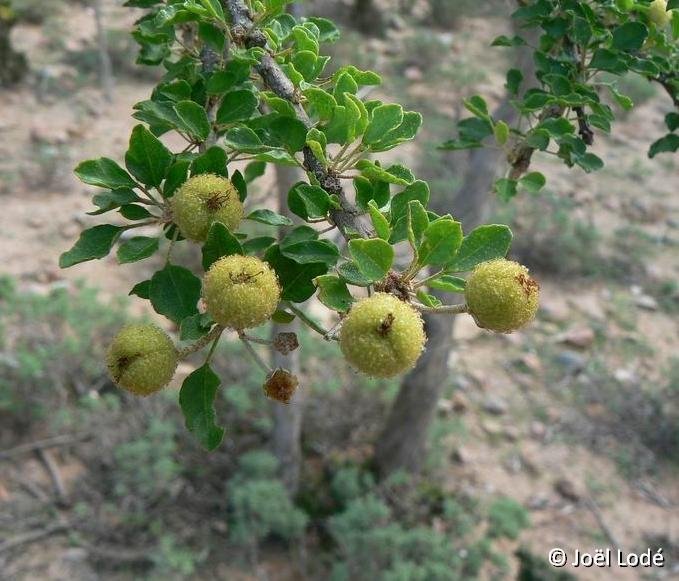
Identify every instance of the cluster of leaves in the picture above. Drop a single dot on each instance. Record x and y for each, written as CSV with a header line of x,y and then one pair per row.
x,y
248,84
578,41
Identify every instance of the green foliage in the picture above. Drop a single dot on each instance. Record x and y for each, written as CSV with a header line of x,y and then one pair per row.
x,y
582,52
259,503
507,518
254,85
53,344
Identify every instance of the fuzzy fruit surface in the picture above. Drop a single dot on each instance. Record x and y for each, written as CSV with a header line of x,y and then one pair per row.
x,y
501,296
142,359
202,200
657,12
382,336
241,292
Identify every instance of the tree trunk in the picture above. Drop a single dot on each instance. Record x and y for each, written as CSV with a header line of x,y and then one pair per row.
x,y
13,65
287,419
105,66
367,18
402,443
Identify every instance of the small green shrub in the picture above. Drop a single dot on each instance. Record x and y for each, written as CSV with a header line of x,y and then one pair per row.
x,y
259,503
506,518
53,346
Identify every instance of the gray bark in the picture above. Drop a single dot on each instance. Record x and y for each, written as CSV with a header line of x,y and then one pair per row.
x,y
105,66
13,65
402,443
287,419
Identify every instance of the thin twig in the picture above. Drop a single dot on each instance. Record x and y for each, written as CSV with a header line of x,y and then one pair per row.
x,y
63,440
32,536
53,469
205,340
308,321
255,356
444,310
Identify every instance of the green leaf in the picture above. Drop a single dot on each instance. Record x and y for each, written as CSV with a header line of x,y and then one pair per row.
x,y
418,221
503,40
532,182
237,105
196,399
312,251
291,132
193,119
385,118
257,244
175,293
296,279
589,162
111,200
630,36
406,131
514,80
322,103
501,131
93,243
308,202
194,327
141,289
269,217
215,9
428,300
350,273
333,293
134,212
373,257
380,223
374,172
477,106
418,190
480,245
136,249
220,242
104,173
440,242
176,176
666,144
505,188
254,170
235,73
211,161
447,283
147,158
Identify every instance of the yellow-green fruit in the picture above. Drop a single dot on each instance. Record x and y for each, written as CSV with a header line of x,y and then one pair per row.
x,y
241,292
142,359
501,296
202,200
382,336
657,12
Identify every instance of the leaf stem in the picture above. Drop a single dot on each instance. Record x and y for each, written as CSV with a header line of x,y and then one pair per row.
x,y
444,310
308,321
251,350
213,335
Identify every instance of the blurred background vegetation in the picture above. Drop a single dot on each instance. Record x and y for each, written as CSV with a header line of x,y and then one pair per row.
x,y
564,433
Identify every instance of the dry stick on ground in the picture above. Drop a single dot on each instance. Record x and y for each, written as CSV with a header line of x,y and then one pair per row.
x,y
596,511
54,442
50,464
244,33
32,536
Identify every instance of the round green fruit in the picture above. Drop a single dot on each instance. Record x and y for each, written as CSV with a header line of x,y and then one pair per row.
x,y
241,292
203,200
657,12
382,336
142,359
501,296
